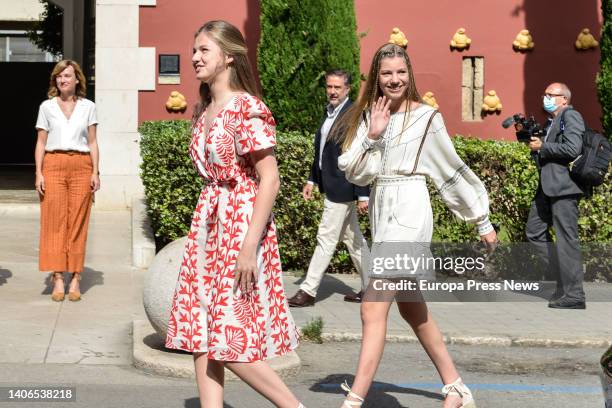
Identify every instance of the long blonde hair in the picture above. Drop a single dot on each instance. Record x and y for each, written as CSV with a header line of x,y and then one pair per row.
x,y
232,43
81,86
346,129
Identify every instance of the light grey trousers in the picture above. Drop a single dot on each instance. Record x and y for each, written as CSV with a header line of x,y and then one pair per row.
x,y
339,221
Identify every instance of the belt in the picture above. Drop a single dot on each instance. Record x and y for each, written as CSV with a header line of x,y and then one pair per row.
x,y
213,189
231,183
68,152
387,180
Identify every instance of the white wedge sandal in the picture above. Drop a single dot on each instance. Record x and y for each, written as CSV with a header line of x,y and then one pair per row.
x,y
462,391
351,404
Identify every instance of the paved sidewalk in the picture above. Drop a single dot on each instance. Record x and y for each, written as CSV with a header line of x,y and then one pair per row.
x,y
98,330
528,323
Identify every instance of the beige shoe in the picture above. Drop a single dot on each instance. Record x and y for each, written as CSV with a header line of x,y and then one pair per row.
x,y
75,296
461,390
58,296
351,404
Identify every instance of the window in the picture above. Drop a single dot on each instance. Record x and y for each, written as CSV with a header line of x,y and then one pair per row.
x,y
472,88
16,47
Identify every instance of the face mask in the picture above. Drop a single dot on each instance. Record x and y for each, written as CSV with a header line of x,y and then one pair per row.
x,y
549,104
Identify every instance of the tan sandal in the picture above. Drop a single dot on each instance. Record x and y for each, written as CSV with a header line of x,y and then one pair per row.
x,y
461,390
75,296
347,403
58,296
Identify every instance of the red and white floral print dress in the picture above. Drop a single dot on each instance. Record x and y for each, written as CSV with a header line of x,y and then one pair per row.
x,y
207,316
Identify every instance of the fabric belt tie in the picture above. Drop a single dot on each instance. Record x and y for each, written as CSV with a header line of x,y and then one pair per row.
x,y
213,189
387,180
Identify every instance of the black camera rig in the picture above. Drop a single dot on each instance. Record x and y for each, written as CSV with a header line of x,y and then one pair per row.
x,y
526,128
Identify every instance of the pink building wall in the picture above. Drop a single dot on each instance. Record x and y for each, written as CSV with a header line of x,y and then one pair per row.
x,y
519,79
170,27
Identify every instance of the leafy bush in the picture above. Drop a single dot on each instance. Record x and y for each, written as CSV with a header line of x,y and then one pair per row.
x,y
297,219
511,179
172,187
604,78
171,183
300,40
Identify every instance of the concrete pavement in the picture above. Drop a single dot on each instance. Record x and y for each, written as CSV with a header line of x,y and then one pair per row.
x,y
98,330
524,323
500,377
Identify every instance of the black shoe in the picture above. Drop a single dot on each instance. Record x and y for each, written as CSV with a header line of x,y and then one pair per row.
x,y
565,303
355,298
556,296
301,299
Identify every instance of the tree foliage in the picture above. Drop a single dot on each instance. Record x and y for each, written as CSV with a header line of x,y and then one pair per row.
x,y
47,32
300,40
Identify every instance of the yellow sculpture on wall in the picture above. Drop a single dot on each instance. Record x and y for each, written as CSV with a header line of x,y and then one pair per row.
x,y
460,41
430,100
491,103
523,41
586,40
397,37
176,102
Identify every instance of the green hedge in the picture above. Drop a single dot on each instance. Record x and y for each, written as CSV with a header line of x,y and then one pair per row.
x,y
171,183
604,78
511,179
172,188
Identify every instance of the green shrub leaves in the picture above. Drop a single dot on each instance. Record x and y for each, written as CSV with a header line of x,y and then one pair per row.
x,y
172,187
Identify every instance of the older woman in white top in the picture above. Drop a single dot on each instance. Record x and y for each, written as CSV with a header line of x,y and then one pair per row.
x,y
66,175
396,142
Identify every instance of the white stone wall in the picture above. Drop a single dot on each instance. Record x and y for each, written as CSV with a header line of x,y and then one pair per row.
x,y
20,10
122,69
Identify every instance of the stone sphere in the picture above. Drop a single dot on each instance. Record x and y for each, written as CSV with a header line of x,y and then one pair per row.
x,y
159,283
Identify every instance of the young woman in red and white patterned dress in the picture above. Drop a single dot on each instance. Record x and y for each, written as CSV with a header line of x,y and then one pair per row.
x,y
229,307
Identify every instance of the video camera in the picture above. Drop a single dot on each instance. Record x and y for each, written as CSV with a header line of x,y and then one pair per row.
x,y
526,128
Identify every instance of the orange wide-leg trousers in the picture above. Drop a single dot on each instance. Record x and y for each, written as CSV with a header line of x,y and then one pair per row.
x,y
64,211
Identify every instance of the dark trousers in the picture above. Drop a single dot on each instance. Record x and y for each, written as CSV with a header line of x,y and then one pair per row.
x,y
563,258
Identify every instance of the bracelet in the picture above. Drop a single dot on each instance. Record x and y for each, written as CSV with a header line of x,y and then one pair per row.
x,y
368,144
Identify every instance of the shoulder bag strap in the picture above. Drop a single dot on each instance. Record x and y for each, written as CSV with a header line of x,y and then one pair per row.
x,y
416,161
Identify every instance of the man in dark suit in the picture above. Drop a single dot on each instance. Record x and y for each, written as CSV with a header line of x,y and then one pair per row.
x,y
556,200
339,219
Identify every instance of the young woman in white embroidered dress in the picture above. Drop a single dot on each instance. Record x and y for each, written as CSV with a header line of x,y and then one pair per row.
x,y
384,131
229,307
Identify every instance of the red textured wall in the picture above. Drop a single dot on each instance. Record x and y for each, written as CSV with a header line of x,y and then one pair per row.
x,y
170,26
519,79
